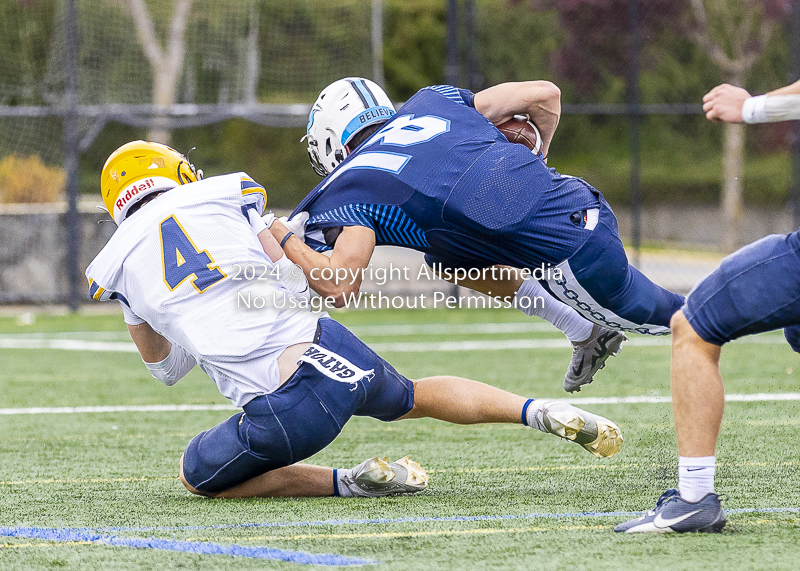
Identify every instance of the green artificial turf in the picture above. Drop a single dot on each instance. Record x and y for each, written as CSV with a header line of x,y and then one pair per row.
x,y
119,470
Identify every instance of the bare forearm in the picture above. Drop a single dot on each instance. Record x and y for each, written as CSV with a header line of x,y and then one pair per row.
x,y
540,100
339,275
152,346
270,245
792,89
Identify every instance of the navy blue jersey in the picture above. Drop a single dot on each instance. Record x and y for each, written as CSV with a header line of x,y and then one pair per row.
x,y
440,178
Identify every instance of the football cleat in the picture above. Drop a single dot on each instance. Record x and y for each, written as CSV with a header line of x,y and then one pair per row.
x,y
674,514
377,477
591,355
596,434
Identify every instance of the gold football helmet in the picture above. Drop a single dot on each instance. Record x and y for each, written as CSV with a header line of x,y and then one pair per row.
x,y
140,168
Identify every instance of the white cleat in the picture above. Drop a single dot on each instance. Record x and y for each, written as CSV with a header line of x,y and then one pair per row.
x,y
377,477
596,434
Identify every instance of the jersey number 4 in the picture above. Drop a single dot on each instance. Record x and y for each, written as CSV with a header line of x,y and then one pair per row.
x,y
182,260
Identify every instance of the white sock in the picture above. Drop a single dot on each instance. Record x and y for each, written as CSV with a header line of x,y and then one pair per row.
x,y
696,476
534,413
340,489
569,321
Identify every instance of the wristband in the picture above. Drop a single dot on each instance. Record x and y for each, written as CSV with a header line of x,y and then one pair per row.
x,y
289,235
754,110
783,107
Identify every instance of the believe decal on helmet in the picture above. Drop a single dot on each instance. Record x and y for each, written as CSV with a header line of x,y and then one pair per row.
x,y
368,117
343,109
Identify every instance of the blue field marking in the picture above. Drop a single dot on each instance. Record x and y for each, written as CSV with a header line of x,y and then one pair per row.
x,y
762,510
333,522
200,547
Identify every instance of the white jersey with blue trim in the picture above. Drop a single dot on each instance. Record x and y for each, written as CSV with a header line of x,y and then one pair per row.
x,y
190,264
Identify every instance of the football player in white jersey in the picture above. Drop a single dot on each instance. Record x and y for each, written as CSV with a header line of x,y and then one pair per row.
x,y
202,281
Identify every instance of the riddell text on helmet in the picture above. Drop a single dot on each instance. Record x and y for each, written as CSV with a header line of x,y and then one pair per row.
x,y
133,190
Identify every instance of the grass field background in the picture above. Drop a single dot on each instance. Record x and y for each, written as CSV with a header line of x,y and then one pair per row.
x,y
500,496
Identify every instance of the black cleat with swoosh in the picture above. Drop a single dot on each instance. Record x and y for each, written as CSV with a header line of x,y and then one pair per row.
x,y
674,514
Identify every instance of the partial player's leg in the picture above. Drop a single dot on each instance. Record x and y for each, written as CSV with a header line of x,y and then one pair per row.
x,y
373,477
755,289
792,335
573,238
471,402
698,395
390,396
599,283
592,344
698,402
297,480
230,462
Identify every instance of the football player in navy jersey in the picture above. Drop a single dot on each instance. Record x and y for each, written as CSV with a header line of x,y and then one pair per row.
x,y
439,177
755,289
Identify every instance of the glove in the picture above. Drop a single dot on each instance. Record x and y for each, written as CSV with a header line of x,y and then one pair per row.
x,y
296,225
268,218
292,276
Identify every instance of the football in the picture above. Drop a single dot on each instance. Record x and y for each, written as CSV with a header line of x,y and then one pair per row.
x,y
519,129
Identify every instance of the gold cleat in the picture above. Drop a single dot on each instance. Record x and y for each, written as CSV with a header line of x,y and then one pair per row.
x,y
608,441
377,477
564,423
596,434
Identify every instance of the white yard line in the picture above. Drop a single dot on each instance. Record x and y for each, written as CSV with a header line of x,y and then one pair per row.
x,y
67,345
139,408
360,330
9,342
760,397
769,397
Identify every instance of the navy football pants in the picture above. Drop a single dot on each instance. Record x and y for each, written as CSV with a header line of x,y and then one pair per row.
x,y
299,419
755,289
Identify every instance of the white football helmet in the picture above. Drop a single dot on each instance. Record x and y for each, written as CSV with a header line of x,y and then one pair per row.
x,y
343,109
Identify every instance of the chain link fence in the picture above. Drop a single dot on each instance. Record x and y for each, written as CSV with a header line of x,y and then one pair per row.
x,y
79,74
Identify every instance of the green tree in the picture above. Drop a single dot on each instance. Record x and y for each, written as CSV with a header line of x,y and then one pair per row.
x,y
414,45
734,34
